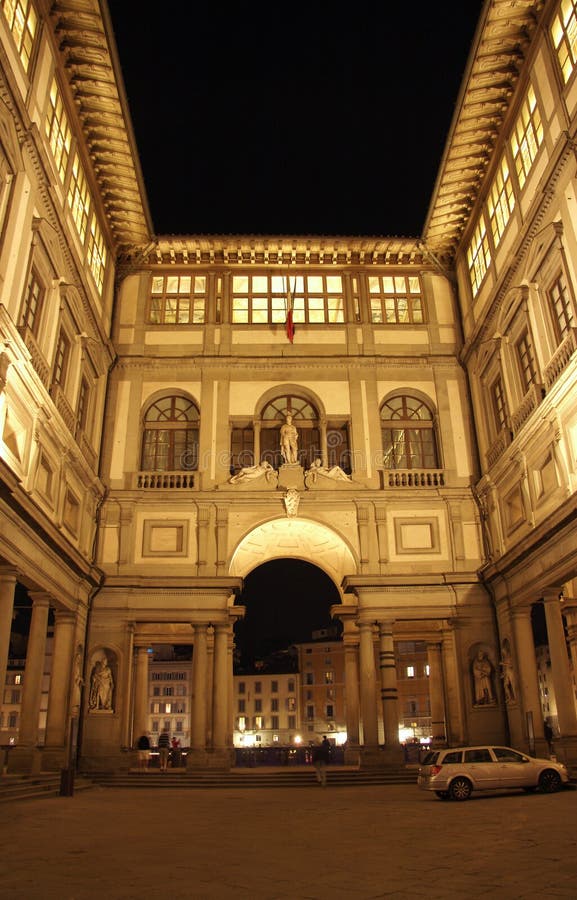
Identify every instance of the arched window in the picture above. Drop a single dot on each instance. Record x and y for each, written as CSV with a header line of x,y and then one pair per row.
x,y
408,434
170,439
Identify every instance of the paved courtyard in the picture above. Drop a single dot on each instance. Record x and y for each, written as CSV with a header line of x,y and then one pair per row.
x,y
305,843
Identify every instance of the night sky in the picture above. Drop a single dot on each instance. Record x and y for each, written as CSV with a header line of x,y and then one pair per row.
x,y
301,119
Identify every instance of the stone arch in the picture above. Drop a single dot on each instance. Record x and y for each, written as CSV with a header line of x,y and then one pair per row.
x,y
298,538
281,390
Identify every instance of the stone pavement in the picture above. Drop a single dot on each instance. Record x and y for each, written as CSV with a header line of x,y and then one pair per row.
x,y
304,843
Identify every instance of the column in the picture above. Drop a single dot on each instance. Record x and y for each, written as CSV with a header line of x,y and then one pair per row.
x,y
351,646
368,686
198,716
389,693
60,679
527,668
141,693
220,687
560,669
34,670
436,693
7,591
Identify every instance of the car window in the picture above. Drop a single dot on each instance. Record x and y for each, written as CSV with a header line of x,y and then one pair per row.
x,y
430,758
505,754
454,756
479,755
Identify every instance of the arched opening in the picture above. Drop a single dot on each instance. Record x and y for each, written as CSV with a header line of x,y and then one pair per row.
x,y
289,687
287,601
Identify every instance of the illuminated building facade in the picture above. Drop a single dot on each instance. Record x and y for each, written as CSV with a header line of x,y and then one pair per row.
x,y
144,382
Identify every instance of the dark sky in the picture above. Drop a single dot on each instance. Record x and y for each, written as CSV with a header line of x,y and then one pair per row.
x,y
298,119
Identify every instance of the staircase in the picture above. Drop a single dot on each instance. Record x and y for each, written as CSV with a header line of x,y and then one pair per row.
x,y
251,778
32,787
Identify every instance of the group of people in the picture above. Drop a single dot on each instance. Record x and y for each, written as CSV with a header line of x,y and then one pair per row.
x,y
165,745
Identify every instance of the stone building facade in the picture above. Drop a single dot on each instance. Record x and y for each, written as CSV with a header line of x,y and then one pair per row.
x,y
145,383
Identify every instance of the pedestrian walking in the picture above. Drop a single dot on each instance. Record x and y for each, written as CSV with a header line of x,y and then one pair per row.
x,y
321,759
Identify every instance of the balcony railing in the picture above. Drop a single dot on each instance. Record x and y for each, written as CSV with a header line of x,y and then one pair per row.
x,y
164,481
413,478
498,446
561,358
528,405
37,357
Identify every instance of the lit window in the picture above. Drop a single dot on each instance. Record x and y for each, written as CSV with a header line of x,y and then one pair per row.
x,y
79,197
427,669
178,300
22,22
168,708
263,299
58,130
18,679
259,721
395,299
478,256
564,34
501,201
410,671
329,677
96,253
291,704
527,136
241,723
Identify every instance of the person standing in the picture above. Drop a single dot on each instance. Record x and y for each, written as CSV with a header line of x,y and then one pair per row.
x,y
164,749
321,759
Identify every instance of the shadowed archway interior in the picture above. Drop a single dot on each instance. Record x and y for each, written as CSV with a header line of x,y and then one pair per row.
x,y
286,600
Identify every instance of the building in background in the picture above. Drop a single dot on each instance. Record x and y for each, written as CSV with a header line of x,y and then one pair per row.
x,y
162,434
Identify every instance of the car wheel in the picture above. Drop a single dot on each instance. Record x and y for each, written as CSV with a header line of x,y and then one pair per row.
x,y
549,781
442,795
460,789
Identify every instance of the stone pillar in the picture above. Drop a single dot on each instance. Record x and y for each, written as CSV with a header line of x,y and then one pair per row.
x,y
221,696
351,649
141,694
54,755
527,668
24,757
7,590
368,693
436,693
389,693
197,753
560,669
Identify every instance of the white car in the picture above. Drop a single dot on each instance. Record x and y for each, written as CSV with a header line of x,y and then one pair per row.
x,y
454,773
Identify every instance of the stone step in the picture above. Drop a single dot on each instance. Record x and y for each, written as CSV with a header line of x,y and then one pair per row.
x,y
248,779
28,787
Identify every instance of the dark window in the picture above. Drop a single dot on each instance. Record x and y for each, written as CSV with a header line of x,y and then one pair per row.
x,y
408,434
33,303
170,440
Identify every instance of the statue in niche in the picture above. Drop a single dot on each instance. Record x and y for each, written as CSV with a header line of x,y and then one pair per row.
x,y
483,679
289,441
508,672
101,685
